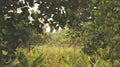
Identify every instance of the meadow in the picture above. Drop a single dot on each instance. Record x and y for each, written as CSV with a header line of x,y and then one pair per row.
x,y
53,56
55,50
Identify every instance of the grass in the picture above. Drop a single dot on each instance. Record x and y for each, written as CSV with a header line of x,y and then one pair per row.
x,y
57,56
52,56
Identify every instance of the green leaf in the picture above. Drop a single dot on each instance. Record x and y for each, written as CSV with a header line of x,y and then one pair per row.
x,y
94,1
23,59
116,37
38,61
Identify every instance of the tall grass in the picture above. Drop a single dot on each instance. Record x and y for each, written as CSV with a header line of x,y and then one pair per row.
x,y
49,56
56,57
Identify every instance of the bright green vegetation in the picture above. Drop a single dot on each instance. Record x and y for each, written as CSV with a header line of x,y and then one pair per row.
x,y
58,52
46,56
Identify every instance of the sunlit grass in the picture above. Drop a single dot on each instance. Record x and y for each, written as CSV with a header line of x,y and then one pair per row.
x,y
56,56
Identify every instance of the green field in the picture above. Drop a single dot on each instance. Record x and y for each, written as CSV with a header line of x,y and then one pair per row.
x,y
48,56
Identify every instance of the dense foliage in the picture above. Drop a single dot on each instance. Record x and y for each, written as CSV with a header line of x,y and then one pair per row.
x,y
95,24
99,38
17,20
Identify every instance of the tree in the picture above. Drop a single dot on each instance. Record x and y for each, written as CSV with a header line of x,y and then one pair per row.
x,y
99,36
94,22
15,25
